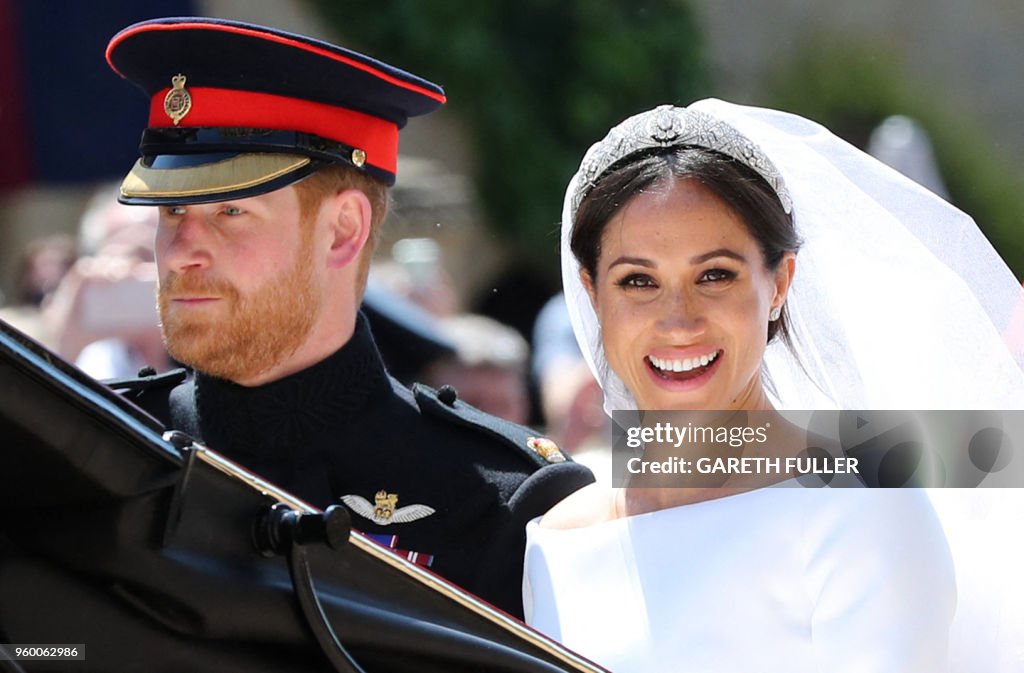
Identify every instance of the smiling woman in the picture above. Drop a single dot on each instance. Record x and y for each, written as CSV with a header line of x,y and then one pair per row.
x,y
879,295
684,287
719,257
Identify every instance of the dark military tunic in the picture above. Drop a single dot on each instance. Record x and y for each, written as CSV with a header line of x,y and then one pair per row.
x,y
344,432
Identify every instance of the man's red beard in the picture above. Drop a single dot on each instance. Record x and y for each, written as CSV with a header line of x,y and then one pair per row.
x,y
259,330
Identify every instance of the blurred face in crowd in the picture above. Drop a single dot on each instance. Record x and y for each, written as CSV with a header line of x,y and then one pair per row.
x,y
239,290
500,391
683,296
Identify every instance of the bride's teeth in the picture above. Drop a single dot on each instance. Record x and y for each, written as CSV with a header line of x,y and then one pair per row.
x,y
684,365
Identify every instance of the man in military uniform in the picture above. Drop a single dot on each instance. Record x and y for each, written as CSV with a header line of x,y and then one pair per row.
x,y
269,155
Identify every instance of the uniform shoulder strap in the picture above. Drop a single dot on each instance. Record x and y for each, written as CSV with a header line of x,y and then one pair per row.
x,y
444,405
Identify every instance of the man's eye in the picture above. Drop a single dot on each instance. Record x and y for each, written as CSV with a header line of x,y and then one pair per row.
x,y
175,210
636,280
716,275
232,210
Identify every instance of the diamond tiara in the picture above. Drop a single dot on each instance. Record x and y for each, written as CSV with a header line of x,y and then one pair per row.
x,y
670,126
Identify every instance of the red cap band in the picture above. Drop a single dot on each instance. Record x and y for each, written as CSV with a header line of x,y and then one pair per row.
x,y
213,107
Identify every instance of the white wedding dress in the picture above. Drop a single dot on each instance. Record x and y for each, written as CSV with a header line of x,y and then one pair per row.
x,y
779,579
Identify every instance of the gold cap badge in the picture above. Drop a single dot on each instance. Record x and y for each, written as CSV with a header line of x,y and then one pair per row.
x,y
546,449
178,100
358,158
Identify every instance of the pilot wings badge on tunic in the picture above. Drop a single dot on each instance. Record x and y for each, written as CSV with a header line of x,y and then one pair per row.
x,y
383,511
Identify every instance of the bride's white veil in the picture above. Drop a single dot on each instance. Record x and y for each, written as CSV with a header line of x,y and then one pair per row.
x,y
898,302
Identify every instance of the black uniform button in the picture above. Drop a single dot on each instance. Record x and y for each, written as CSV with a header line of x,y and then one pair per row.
x,y
447,395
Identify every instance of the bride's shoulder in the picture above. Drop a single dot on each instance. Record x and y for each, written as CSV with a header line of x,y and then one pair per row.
x,y
589,505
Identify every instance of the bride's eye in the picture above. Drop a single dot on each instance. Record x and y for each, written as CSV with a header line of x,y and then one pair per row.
x,y
716,275
636,280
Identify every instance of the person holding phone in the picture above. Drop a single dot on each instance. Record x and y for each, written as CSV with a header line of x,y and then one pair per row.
x,y
103,313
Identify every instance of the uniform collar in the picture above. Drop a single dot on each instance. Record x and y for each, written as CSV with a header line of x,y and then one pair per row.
x,y
286,414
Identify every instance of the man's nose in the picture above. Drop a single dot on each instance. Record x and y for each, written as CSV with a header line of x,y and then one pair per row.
x,y
186,243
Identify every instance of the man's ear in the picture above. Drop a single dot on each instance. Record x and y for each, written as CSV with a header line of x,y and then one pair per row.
x,y
349,214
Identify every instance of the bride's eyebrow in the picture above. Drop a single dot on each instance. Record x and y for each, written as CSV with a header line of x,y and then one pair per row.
x,y
638,261
698,259
720,252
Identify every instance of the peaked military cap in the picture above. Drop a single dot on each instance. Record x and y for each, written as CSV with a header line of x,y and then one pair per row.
x,y
238,110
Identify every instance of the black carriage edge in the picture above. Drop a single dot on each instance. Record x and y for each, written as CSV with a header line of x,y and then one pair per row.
x,y
155,553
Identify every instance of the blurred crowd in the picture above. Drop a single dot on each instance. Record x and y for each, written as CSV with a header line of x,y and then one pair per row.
x,y
538,379
91,297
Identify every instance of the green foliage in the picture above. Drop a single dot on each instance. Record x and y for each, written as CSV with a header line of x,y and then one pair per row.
x,y
852,89
536,82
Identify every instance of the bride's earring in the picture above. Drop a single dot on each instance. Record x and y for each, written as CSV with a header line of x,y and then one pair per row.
x,y
774,315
